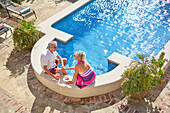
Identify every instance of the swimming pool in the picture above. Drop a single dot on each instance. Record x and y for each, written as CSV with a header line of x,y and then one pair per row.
x,y
106,82
123,26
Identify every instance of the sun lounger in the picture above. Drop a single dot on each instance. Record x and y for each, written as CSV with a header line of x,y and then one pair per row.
x,y
4,29
17,9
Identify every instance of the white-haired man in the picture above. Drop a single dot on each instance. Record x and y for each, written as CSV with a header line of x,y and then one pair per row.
x,y
50,61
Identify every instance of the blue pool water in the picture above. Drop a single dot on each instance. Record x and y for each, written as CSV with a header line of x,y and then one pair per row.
x,y
123,26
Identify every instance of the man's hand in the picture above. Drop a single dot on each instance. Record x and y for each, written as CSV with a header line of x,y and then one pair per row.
x,y
63,67
56,76
69,82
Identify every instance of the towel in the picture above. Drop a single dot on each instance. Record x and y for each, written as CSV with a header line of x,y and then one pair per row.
x,y
1,26
25,10
85,78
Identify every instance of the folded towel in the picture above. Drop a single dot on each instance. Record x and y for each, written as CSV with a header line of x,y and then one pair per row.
x,y
25,10
1,26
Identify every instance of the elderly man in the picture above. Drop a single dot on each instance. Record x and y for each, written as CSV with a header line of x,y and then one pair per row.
x,y
50,63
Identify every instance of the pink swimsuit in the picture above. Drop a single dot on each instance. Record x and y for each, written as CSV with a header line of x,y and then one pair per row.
x,y
86,78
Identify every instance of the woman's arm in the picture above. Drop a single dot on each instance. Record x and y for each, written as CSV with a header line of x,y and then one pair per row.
x,y
70,68
74,77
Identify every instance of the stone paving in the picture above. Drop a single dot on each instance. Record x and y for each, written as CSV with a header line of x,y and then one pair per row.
x,y
21,92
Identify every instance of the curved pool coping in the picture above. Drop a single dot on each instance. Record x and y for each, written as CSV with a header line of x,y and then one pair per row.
x,y
104,83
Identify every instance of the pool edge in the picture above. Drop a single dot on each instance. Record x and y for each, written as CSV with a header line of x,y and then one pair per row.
x,y
104,83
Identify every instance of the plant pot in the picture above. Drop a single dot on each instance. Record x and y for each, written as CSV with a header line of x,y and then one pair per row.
x,y
139,96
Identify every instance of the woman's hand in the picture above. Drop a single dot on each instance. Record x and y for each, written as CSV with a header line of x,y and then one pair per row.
x,y
63,67
69,82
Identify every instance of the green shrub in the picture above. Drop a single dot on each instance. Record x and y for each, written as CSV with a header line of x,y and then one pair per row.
x,y
144,75
25,35
17,1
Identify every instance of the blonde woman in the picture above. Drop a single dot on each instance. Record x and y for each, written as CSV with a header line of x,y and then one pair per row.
x,y
84,74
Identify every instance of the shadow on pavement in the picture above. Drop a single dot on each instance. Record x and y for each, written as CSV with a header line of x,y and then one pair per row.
x,y
55,1
72,1
17,62
2,39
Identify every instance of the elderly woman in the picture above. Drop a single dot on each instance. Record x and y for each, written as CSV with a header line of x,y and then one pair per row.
x,y
84,74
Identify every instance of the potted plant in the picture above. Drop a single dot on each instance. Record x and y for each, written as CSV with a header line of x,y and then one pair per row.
x,y
142,76
25,35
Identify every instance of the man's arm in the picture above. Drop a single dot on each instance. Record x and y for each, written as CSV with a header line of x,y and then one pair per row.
x,y
61,59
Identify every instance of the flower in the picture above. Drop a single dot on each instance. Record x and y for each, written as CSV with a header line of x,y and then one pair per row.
x,y
163,48
163,81
16,23
166,59
164,68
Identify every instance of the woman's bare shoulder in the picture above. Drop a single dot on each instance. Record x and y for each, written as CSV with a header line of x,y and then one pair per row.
x,y
87,63
77,66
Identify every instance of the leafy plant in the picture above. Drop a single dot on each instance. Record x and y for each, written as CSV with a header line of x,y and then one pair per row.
x,y
142,76
25,35
17,1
